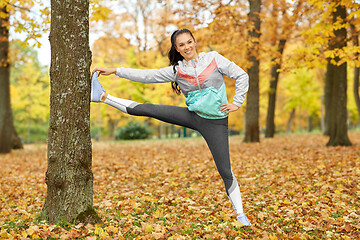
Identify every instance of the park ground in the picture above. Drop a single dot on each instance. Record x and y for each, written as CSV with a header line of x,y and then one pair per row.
x,y
293,187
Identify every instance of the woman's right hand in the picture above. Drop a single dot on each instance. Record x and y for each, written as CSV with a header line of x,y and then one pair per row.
x,y
104,71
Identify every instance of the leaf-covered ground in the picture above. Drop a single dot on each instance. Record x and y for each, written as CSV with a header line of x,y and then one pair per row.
x,y
293,187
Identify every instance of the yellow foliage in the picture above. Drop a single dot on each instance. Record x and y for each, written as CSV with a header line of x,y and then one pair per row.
x,y
24,18
306,24
31,94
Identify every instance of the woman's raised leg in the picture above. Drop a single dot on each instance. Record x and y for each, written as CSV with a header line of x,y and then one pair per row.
x,y
171,114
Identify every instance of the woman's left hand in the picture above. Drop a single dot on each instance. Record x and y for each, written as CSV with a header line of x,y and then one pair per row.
x,y
228,108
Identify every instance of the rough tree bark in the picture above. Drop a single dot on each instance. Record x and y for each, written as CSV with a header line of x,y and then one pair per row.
x,y
336,86
270,118
252,101
69,176
8,136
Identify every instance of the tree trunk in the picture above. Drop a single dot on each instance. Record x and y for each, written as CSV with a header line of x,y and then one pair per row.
x,y
288,125
8,136
69,176
355,37
15,139
112,127
356,88
310,125
252,101
327,94
337,86
270,122
5,107
300,129
322,115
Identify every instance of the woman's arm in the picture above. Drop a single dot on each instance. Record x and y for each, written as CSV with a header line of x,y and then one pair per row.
x,y
104,71
228,108
241,78
141,75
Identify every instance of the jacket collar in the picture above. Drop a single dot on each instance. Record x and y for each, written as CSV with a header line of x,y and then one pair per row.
x,y
193,61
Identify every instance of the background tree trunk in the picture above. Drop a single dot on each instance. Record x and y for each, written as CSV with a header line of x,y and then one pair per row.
x,y
270,118
69,175
252,101
322,115
15,139
356,88
291,117
310,124
5,108
355,36
8,136
327,94
337,85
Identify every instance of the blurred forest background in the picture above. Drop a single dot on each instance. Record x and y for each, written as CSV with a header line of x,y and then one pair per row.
x,y
295,37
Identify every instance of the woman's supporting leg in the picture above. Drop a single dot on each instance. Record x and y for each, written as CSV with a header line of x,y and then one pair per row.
x,y
215,132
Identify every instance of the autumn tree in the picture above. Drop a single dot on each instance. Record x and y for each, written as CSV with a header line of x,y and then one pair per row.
x,y
280,34
355,38
301,93
252,104
160,25
6,122
69,176
138,14
30,90
8,136
31,26
336,81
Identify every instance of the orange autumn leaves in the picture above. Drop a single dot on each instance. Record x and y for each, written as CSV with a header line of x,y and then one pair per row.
x,y
292,187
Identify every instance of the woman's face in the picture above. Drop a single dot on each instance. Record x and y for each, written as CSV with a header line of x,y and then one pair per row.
x,y
185,45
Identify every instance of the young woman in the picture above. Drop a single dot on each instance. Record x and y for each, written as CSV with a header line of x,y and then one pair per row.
x,y
200,78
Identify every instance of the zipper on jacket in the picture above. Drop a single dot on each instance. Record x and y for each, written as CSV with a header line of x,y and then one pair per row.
x,y
197,80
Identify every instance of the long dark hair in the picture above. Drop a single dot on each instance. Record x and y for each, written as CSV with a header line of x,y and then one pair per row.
x,y
174,56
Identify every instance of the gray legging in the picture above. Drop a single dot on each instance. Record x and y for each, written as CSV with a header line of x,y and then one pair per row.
x,y
214,131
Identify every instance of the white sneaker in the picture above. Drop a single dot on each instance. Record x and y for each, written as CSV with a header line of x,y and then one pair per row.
x,y
243,219
96,89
